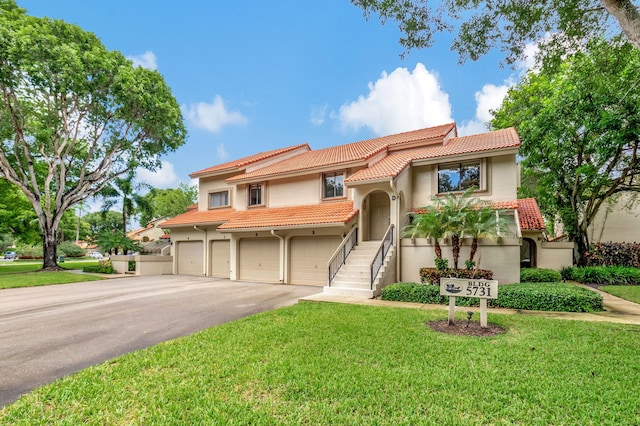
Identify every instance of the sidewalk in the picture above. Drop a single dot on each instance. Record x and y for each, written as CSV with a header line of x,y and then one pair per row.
x,y
616,310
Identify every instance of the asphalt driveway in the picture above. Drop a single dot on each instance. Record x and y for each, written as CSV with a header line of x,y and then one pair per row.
x,y
50,332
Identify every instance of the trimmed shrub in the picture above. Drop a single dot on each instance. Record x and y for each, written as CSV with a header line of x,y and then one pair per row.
x,y
605,275
539,275
103,267
69,249
558,297
433,275
614,254
29,252
422,293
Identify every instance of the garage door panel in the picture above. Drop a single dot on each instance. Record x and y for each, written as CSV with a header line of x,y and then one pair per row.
x,y
220,258
190,255
260,259
309,257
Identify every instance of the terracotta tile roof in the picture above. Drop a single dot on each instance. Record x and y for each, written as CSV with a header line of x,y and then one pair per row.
x,y
344,154
243,162
393,164
194,217
529,214
284,217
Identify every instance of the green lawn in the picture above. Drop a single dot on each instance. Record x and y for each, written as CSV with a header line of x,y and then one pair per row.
x,y
21,274
627,292
326,364
34,279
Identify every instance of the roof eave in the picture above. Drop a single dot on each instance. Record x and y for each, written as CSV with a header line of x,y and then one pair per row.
x,y
491,152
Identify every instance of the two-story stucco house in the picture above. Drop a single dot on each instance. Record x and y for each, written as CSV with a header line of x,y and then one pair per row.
x,y
280,216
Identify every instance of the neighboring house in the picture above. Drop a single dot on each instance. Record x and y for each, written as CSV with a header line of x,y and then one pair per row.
x,y
279,216
152,232
617,220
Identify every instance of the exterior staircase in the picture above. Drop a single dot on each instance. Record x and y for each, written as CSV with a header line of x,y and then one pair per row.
x,y
354,278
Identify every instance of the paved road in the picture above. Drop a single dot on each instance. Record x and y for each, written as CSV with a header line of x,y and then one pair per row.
x,y
49,332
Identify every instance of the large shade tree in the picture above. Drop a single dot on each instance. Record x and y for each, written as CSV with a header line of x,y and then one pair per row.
x,y
580,130
169,202
74,116
508,25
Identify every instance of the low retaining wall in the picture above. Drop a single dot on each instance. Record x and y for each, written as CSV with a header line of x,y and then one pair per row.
x,y
145,264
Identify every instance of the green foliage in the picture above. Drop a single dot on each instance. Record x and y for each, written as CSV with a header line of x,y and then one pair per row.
x,y
539,275
607,275
105,221
86,104
482,26
131,265
6,241
29,252
115,242
433,275
103,267
122,191
558,297
579,123
69,249
166,203
441,264
614,254
36,279
469,264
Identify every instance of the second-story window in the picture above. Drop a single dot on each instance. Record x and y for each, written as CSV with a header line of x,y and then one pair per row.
x,y
218,199
333,185
255,195
458,176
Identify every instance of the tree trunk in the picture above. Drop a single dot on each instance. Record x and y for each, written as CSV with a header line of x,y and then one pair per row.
x,y
474,248
49,249
628,16
438,250
455,247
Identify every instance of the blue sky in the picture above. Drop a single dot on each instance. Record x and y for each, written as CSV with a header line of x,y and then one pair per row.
x,y
252,76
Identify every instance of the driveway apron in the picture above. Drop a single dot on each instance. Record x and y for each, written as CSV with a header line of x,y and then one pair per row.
x,y
50,332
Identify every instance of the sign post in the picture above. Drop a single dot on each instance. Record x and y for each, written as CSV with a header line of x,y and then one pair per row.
x,y
462,287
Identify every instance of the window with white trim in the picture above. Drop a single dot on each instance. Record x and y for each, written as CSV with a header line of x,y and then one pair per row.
x,y
455,177
255,194
218,199
333,185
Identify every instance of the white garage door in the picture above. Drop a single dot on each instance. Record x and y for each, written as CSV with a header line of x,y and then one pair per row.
x,y
309,257
190,257
260,259
220,258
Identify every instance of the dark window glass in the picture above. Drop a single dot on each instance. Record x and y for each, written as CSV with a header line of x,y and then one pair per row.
x,y
255,195
333,185
458,177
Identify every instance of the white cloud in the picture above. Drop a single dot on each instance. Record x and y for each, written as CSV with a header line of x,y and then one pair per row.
x,y
164,177
146,60
222,152
488,99
212,117
398,102
318,114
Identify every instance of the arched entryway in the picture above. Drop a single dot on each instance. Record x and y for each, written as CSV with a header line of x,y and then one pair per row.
x,y
378,215
528,252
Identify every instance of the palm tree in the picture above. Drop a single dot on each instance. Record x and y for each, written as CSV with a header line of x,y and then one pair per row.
x,y
484,222
124,190
454,208
429,223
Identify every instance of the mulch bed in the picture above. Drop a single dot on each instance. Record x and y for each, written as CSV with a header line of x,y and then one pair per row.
x,y
462,328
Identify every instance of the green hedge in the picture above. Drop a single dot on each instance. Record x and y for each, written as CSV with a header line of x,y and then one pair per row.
x,y
103,267
433,275
558,297
539,275
606,275
69,249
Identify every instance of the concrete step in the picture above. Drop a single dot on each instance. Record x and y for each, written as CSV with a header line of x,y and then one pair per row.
x,y
350,292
